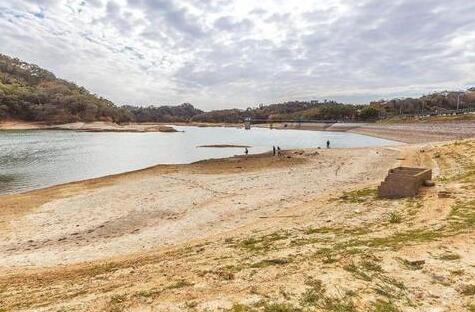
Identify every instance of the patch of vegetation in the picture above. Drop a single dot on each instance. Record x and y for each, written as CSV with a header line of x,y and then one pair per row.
x,y
315,296
395,217
449,256
281,307
241,308
104,268
263,243
412,265
413,205
118,299
359,196
147,293
179,284
403,238
357,272
326,254
462,215
384,306
468,290
269,262
370,265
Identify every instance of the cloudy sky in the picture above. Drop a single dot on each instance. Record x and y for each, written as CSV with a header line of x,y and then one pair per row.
x,y
239,53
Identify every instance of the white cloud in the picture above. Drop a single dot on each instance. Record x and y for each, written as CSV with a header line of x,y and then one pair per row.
x,y
217,53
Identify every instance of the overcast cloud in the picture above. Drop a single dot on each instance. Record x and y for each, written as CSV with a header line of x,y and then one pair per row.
x,y
239,53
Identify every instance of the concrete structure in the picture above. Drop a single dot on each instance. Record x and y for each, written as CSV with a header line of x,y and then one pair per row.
x,y
403,182
247,123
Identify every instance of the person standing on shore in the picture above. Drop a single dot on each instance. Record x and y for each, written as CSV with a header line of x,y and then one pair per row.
x,y
328,143
246,151
278,150
273,150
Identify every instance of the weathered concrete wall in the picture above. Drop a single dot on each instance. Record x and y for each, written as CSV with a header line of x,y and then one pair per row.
x,y
403,182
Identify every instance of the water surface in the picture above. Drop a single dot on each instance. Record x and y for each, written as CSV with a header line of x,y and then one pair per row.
x,y
41,158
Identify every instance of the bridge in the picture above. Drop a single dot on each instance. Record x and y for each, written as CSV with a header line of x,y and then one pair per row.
x,y
250,121
264,120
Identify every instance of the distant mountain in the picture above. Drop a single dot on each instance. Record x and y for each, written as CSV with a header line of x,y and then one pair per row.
x,y
30,93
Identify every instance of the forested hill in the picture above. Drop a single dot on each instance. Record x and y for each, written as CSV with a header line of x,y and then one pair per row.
x,y
30,93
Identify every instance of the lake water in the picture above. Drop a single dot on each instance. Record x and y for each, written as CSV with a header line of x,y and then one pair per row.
x,y
41,158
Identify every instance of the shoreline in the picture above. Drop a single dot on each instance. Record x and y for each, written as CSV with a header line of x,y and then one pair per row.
x,y
88,127
409,132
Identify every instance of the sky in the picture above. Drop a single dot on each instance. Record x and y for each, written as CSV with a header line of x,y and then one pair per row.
x,y
220,54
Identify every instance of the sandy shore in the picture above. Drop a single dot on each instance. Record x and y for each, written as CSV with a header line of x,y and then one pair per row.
x,y
304,230
169,204
408,132
97,126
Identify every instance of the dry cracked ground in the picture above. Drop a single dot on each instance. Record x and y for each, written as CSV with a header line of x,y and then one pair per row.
x,y
338,251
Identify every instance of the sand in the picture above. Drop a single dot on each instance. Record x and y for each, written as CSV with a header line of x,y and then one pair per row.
x,y
260,232
98,126
407,132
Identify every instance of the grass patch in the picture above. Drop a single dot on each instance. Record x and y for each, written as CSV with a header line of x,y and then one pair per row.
x,y
241,308
179,284
359,196
315,297
263,243
395,217
384,306
314,294
147,293
269,262
281,307
326,254
116,299
413,206
462,215
357,272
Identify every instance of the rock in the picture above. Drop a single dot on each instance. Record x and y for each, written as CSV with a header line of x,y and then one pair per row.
x,y
429,183
166,129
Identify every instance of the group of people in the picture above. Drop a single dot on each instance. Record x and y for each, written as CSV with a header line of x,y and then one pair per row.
x,y
277,150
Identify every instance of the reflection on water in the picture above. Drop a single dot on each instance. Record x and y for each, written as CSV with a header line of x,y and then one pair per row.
x,y
36,159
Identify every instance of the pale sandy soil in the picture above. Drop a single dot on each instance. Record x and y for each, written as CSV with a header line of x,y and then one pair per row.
x,y
302,232
407,132
97,126
153,209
